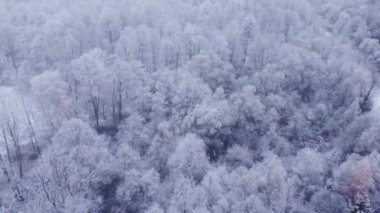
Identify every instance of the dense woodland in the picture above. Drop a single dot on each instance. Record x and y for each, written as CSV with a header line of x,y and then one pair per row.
x,y
189,106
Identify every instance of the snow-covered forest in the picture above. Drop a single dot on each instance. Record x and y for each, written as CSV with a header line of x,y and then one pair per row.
x,y
189,106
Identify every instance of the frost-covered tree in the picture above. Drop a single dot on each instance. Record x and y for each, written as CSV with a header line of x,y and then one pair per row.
x,y
189,158
77,164
189,106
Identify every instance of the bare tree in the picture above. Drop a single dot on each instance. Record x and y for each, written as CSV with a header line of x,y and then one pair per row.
x,y
12,128
365,103
4,169
7,148
117,101
8,171
32,133
95,104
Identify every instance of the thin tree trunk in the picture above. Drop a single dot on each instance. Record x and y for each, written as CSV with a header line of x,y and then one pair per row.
x,y
32,133
95,107
13,132
7,148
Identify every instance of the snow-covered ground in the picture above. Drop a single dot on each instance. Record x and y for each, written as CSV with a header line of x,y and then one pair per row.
x,y
10,100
